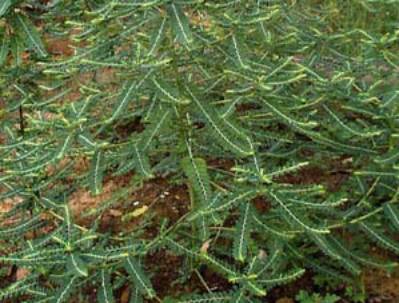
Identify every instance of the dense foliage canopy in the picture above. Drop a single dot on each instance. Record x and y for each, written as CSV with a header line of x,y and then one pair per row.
x,y
297,103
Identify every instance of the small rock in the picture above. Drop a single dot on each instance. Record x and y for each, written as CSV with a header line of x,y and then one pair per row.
x,y
125,295
115,213
21,273
205,246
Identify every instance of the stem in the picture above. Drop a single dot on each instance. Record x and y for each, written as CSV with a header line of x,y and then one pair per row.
x,y
21,121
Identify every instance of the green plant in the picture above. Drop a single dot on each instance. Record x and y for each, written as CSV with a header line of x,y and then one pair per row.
x,y
304,297
280,90
355,295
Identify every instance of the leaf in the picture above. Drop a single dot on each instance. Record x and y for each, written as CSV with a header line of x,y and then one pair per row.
x,y
86,140
220,266
239,296
232,200
16,49
32,36
349,129
368,261
124,98
167,92
280,113
139,278
137,159
212,297
242,233
63,148
4,5
392,212
329,248
197,172
15,290
142,162
4,47
238,53
21,227
158,122
104,293
379,238
180,24
202,225
157,37
390,157
136,296
76,265
96,173
300,222
227,139
254,288
283,278
64,293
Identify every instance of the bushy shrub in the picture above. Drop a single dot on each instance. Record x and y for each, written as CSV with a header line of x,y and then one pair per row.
x,y
296,102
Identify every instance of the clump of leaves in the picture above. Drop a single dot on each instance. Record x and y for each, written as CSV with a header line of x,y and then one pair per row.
x,y
276,88
304,297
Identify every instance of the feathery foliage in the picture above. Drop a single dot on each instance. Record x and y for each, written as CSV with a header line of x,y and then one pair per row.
x,y
288,93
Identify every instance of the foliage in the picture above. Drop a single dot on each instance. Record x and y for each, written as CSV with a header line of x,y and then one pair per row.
x,y
276,88
304,297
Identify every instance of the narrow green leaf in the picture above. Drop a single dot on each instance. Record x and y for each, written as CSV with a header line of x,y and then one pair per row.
x,y
158,122
64,293
86,140
212,297
104,293
180,24
283,278
392,212
32,36
22,227
300,222
76,265
242,233
226,138
157,37
366,260
254,288
280,113
197,172
349,129
239,296
220,266
142,162
139,278
4,47
16,50
136,296
390,157
96,173
4,5
238,53
329,248
166,92
63,148
380,238
124,98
